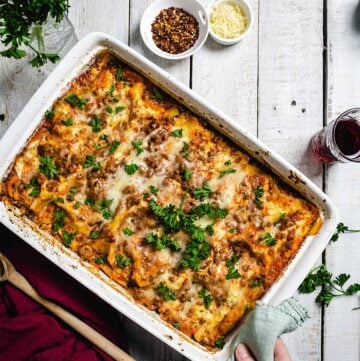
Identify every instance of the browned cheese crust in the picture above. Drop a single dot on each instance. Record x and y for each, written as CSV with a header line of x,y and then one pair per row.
x,y
117,172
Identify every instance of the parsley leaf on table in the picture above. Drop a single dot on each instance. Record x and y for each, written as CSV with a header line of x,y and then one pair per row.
x,y
331,287
341,228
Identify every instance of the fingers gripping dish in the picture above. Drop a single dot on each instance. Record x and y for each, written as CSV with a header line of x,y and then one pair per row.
x,y
140,187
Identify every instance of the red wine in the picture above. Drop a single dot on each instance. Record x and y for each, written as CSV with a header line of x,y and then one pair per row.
x,y
347,137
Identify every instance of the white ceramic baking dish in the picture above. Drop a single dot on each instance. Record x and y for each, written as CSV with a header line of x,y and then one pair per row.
x,y
27,121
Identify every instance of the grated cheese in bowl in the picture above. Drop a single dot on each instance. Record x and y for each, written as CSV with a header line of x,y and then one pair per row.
x,y
228,20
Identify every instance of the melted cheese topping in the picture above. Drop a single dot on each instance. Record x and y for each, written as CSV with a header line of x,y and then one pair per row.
x,y
89,182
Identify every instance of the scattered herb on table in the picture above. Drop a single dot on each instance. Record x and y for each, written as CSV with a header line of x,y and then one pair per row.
x,y
341,228
331,287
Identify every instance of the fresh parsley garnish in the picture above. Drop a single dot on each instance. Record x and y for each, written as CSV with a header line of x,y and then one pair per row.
x,y
94,235
59,215
128,232
153,190
210,229
207,298
67,122
111,90
71,195
330,287
185,150
131,169
122,261
100,259
67,238
77,205
49,114
165,292
119,73
137,144
233,272
177,133
119,109
90,162
104,208
186,174
269,239
108,109
228,162
48,167
95,124
113,146
160,243
220,343
89,202
203,192
256,282
205,209
226,171
259,192
35,187
341,228
157,94
146,195
74,100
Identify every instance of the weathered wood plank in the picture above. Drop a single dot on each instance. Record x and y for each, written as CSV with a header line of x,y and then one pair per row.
x,y
290,111
227,75
342,325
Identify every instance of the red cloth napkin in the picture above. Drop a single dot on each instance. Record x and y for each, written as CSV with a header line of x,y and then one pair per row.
x,y
29,332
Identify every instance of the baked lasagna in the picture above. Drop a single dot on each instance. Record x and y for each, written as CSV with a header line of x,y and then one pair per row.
x,y
140,187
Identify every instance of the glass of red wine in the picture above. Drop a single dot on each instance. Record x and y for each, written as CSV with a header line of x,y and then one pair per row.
x,y
339,141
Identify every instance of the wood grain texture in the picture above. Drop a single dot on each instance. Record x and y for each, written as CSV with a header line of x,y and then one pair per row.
x,y
291,111
341,324
227,75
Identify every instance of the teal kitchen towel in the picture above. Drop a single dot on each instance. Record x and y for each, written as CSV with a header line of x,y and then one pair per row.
x,y
265,323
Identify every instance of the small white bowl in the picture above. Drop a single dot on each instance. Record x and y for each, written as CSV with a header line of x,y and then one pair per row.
x,y
193,7
247,9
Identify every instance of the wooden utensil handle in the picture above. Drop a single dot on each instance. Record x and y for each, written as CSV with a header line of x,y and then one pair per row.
x,y
19,281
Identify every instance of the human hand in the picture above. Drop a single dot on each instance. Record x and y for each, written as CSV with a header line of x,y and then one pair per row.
x,y
242,352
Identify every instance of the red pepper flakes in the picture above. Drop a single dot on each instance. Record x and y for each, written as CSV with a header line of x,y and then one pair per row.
x,y
175,30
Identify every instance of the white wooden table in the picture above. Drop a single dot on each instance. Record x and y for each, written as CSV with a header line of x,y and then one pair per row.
x,y
299,68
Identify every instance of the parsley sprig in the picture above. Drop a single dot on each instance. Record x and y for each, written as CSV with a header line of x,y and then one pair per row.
x,y
48,167
165,292
35,187
207,298
259,192
203,192
162,242
22,20
233,272
331,287
341,228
